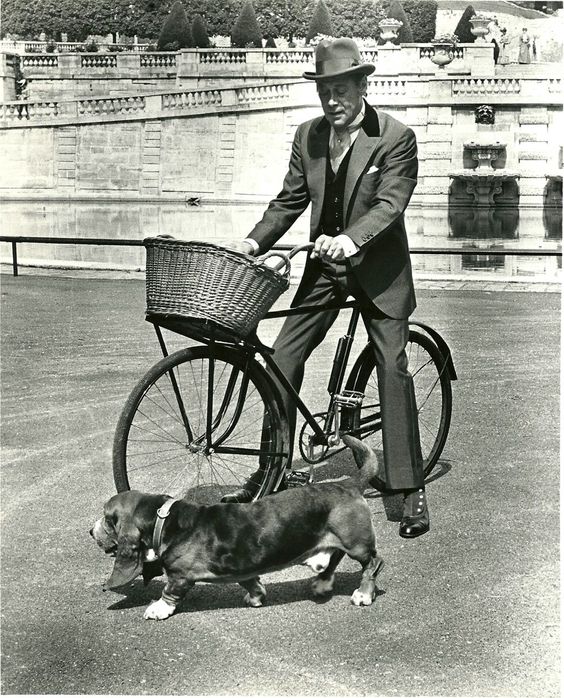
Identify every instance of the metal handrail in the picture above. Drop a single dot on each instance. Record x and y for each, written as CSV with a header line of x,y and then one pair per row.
x,y
510,251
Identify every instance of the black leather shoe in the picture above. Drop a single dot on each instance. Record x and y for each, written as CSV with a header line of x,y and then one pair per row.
x,y
247,492
240,496
415,521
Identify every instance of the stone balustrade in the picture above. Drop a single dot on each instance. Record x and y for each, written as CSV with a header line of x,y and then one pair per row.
x,y
22,47
199,63
386,92
56,76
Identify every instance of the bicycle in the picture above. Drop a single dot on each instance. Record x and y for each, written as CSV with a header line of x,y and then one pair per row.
x,y
202,419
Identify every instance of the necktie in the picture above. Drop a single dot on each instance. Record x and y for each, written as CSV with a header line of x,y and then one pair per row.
x,y
339,147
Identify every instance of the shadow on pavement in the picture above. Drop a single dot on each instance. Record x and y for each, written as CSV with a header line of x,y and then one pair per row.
x,y
214,597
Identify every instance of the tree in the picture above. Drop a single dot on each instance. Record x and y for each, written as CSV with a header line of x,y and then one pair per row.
x,y
396,11
175,33
289,18
463,27
200,33
320,22
246,32
422,18
356,17
282,17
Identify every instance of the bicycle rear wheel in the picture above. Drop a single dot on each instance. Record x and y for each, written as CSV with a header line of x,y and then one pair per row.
x,y
198,426
433,394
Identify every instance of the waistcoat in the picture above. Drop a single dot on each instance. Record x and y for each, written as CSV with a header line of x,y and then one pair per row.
x,y
332,215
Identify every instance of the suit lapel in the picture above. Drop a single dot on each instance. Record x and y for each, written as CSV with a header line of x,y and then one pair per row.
x,y
318,147
368,138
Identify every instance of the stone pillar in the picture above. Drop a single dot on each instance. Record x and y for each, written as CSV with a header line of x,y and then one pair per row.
x,y
256,62
129,64
7,78
187,65
226,155
69,64
480,60
151,160
389,60
66,157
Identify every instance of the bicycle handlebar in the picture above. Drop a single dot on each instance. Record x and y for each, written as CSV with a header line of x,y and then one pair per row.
x,y
285,261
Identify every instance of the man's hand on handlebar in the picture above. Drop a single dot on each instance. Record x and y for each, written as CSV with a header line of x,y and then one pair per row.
x,y
328,248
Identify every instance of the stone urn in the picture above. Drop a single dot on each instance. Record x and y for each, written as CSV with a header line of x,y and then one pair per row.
x,y
389,29
480,27
443,53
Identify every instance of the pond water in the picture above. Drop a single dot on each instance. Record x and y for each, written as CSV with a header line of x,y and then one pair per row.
x,y
482,230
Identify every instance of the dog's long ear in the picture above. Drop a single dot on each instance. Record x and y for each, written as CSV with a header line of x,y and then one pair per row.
x,y
129,557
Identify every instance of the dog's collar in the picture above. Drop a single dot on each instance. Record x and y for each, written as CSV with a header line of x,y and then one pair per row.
x,y
162,514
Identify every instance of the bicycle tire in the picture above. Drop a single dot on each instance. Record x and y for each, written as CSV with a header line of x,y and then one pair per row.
x,y
430,375
153,453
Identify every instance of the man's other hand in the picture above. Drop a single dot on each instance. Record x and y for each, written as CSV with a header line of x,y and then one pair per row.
x,y
238,246
328,248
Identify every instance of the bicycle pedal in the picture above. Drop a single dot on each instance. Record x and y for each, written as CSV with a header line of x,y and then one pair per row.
x,y
298,478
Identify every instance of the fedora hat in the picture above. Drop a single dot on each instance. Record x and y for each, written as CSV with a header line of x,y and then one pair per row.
x,y
336,58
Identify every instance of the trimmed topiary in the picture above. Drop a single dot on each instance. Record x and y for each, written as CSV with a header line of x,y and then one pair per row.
x,y
396,11
320,22
175,30
246,32
463,27
200,36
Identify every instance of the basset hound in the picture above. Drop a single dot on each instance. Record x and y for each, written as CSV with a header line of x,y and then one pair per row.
x,y
316,525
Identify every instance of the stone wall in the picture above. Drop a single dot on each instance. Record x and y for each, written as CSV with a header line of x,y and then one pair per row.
x,y
236,146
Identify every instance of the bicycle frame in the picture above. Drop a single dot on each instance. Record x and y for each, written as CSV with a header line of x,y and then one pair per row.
x,y
252,345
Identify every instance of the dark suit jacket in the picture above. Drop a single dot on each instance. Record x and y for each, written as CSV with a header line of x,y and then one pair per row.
x,y
381,177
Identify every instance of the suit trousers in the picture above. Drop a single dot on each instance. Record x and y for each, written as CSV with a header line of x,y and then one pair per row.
x,y
301,334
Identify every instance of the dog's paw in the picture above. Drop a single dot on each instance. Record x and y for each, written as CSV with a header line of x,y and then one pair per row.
x,y
319,562
361,598
159,610
322,587
254,601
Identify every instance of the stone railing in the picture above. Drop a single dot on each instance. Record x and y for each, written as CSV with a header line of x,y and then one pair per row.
x,y
260,94
193,99
93,109
31,61
80,65
392,92
471,59
22,47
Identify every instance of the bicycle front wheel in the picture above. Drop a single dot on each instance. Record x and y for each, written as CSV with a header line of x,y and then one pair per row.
x,y
433,394
199,426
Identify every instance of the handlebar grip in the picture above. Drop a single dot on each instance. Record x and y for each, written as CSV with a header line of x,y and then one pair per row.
x,y
284,262
300,248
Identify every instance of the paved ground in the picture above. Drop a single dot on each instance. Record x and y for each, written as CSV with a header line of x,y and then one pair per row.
x,y
471,609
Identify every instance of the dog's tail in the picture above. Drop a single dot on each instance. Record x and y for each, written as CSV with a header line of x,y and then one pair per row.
x,y
367,462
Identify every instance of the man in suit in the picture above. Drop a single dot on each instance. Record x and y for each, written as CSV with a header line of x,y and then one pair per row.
x,y
358,168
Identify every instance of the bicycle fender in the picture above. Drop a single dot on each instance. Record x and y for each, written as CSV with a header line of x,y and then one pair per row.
x,y
440,343
442,346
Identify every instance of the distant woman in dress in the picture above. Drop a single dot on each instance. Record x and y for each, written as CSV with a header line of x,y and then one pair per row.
x,y
524,47
503,44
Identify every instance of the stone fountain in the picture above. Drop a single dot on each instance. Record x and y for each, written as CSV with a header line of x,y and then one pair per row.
x,y
484,182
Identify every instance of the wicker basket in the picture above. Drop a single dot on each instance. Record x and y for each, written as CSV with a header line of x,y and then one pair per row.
x,y
202,286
